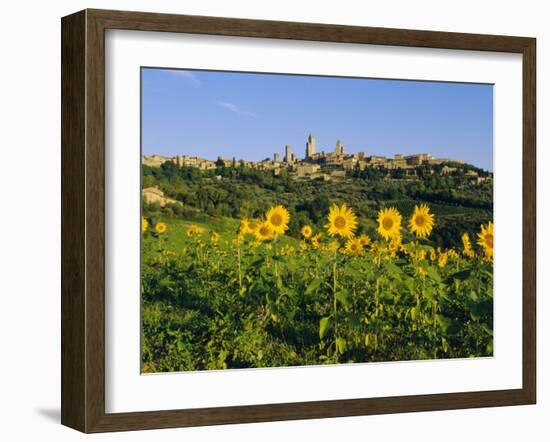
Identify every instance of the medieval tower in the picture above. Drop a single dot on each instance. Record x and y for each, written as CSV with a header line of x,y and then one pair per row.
x,y
339,150
288,154
311,147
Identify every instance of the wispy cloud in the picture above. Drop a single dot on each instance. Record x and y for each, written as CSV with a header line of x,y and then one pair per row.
x,y
188,75
234,108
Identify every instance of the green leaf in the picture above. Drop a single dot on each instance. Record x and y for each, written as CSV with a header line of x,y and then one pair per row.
x,y
341,345
258,263
392,269
433,273
343,297
323,326
461,275
313,285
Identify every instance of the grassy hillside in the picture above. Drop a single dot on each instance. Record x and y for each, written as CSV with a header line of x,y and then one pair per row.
x,y
460,205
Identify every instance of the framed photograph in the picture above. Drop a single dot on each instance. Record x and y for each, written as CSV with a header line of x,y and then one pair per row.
x,y
267,221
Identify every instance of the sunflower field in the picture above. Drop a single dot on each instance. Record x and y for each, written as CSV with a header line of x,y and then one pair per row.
x,y
243,293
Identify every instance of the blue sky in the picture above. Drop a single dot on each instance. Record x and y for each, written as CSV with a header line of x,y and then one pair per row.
x,y
251,116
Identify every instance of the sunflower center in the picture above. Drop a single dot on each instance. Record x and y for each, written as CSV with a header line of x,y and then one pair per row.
x,y
340,222
420,220
489,240
354,247
264,231
276,219
387,223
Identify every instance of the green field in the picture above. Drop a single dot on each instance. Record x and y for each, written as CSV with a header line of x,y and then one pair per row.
x,y
213,298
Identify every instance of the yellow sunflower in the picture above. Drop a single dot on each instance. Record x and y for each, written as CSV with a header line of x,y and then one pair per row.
x,y
316,240
341,221
306,231
333,246
452,254
442,261
144,225
354,246
278,217
244,227
264,231
160,227
193,229
468,251
421,254
395,244
253,225
486,238
364,240
389,223
214,236
422,221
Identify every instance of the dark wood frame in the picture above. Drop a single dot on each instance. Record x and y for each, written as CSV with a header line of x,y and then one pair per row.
x,y
83,216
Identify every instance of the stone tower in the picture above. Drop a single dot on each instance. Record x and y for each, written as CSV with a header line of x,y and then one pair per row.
x,y
288,154
276,157
311,146
339,149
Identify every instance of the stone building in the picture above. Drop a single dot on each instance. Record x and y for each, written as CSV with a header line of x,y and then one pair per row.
x,y
288,154
311,147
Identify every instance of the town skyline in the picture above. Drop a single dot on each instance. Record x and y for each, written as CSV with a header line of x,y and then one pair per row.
x,y
281,154
251,116
331,165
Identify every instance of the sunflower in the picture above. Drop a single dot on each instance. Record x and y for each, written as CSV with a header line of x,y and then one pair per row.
x,y
306,231
278,217
452,253
395,245
264,231
341,221
253,225
442,261
214,236
432,254
144,225
389,222
422,221
354,246
421,255
486,238
364,240
468,251
244,227
160,227
193,229
316,240
333,246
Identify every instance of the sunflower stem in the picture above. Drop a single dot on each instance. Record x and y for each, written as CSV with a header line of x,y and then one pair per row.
x,y
239,267
335,306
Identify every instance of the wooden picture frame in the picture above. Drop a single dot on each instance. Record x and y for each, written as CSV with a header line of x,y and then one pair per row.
x,y
83,220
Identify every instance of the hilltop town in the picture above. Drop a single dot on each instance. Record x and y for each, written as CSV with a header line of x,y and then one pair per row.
x,y
325,165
